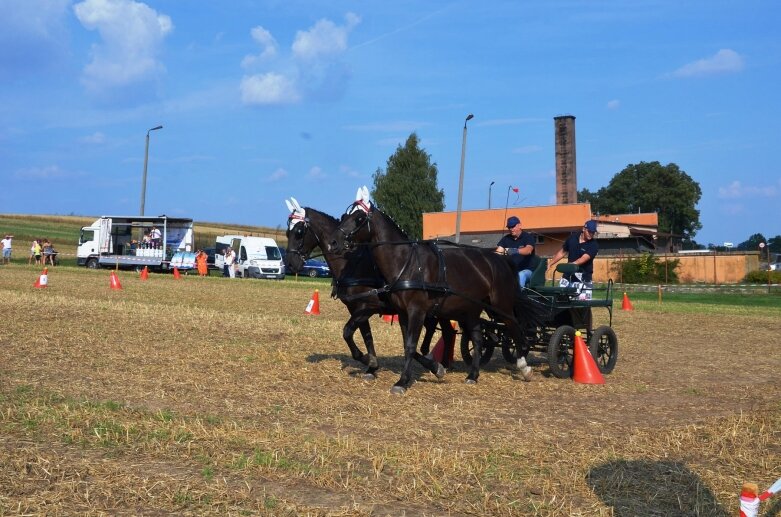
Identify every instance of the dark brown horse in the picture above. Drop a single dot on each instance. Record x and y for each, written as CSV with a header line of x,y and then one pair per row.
x,y
357,283
426,280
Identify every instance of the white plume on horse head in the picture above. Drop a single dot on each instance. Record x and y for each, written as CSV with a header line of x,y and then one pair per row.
x,y
362,201
296,212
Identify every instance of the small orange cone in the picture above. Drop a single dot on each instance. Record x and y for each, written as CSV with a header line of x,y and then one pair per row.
x,y
390,318
626,305
313,307
585,369
145,273
176,273
114,281
43,279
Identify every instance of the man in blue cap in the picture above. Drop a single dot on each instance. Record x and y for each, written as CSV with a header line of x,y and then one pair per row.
x,y
581,248
519,246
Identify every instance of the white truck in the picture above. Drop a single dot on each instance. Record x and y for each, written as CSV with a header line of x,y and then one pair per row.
x,y
132,241
256,257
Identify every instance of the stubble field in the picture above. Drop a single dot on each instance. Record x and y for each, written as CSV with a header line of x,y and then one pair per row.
x,y
211,396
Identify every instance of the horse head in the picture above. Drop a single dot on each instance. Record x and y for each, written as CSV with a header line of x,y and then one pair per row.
x,y
355,226
300,239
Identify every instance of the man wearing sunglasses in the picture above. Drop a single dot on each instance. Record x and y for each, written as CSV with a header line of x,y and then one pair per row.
x,y
581,248
519,246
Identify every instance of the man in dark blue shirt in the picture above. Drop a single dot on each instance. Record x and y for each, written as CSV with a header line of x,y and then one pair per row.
x,y
581,248
519,246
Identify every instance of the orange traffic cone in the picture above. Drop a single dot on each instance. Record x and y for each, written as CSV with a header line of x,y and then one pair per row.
x,y
145,273
176,273
390,318
585,369
626,305
313,307
114,281
43,279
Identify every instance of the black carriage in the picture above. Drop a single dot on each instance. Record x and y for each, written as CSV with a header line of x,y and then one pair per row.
x,y
567,310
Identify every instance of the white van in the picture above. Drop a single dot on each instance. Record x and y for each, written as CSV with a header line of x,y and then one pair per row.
x,y
256,257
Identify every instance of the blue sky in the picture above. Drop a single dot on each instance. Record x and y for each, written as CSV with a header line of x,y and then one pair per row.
x,y
262,100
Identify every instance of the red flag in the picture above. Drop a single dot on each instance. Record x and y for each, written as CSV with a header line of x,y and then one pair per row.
x,y
516,189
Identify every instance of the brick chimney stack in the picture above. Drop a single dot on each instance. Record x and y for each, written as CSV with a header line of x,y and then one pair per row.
x,y
566,175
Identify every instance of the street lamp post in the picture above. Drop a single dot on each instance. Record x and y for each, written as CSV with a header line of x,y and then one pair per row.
x,y
146,160
489,194
461,181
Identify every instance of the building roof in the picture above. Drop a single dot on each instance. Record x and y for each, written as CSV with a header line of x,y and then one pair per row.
x,y
548,218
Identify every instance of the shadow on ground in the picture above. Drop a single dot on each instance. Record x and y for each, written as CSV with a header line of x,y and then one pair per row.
x,y
653,488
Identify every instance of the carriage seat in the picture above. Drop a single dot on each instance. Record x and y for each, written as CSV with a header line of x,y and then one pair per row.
x,y
540,266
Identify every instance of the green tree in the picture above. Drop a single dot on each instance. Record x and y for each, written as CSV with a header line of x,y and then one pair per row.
x,y
775,244
752,243
408,187
652,187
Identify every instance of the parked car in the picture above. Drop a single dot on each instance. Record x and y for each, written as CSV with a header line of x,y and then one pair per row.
x,y
313,267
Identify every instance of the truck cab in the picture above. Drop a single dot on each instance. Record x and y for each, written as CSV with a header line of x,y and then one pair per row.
x,y
256,257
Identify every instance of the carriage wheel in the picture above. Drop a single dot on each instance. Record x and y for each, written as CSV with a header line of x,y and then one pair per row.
x,y
467,347
560,352
603,345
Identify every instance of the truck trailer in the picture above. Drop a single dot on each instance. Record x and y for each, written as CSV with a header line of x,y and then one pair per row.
x,y
134,241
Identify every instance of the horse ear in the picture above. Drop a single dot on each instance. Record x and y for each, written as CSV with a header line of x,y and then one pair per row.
x,y
358,194
289,206
295,203
365,194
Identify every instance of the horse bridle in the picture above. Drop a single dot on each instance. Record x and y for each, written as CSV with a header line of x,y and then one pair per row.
x,y
348,236
307,227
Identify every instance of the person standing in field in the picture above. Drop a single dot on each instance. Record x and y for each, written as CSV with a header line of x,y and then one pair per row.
x,y
200,262
230,259
6,245
35,252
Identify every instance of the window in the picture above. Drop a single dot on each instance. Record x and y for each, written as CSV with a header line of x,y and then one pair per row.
x,y
272,253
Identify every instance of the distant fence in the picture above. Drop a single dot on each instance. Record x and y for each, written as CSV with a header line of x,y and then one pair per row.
x,y
708,267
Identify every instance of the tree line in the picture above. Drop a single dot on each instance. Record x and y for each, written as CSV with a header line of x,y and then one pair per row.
x,y
407,188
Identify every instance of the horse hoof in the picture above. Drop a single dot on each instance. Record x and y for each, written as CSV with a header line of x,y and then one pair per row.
x,y
373,362
470,381
440,371
398,390
526,373
369,377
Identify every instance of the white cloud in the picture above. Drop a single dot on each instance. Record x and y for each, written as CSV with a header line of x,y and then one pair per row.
x,y
613,104
724,61
96,138
50,172
277,175
324,39
349,171
316,173
270,88
404,125
527,149
267,44
33,34
312,71
505,121
132,34
737,190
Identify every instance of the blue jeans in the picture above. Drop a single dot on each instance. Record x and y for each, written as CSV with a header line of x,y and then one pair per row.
x,y
524,276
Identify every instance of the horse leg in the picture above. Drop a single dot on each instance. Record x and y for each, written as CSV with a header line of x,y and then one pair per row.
x,y
347,334
431,326
370,356
477,352
519,337
411,327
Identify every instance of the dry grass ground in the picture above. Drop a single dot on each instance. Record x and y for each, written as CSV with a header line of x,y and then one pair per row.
x,y
212,396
